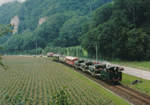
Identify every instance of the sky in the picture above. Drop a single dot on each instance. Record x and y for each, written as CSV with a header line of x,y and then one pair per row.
x,y
6,1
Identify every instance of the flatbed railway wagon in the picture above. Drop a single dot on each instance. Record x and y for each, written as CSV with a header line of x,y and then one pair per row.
x,y
111,74
95,69
85,66
78,64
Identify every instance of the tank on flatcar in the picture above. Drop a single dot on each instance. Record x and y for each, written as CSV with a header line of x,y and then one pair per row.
x,y
85,66
95,69
78,63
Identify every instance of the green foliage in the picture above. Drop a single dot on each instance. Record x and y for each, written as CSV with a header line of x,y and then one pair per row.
x,y
18,99
49,31
31,11
102,14
1,63
61,98
70,32
49,79
69,51
3,31
119,29
8,11
141,87
137,44
63,26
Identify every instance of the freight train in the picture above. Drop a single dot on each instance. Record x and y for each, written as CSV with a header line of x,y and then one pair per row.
x,y
108,73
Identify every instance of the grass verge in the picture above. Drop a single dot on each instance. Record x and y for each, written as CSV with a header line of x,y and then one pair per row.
x,y
143,87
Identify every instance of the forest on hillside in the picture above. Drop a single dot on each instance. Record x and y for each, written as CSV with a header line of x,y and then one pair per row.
x,y
121,29
118,28
64,21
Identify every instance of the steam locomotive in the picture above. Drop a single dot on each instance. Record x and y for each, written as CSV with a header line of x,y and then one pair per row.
x,y
108,73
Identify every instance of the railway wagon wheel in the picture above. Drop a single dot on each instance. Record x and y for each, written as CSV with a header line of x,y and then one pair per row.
x,y
84,69
93,74
76,67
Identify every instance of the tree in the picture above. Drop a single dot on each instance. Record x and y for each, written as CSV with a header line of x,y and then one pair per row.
x,y
3,31
70,32
62,27
102,14
122,30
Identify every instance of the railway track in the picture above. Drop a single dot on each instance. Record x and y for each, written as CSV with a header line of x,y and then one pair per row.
x,y
133,96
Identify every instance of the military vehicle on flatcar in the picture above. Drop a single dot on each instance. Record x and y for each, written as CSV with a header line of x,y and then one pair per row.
x,y
95,69
111,74
77,64
85,66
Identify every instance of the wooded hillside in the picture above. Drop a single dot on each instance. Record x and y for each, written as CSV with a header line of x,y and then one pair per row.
x,y
63,26
119,28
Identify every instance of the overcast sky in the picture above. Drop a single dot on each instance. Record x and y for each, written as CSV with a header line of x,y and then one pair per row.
x,y
6,1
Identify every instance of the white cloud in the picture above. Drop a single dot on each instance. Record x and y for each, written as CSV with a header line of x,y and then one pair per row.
x,y
6,1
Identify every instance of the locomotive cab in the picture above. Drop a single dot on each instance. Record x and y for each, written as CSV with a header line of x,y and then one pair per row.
x,y
112,74
115,74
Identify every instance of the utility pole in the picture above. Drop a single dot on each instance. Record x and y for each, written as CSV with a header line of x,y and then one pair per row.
x,y
96,52
36,47
90,6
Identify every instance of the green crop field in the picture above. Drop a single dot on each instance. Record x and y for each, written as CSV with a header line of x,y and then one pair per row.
x,y
33,81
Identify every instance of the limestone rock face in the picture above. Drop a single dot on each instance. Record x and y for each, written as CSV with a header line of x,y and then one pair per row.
x,y
42,20
15,23
8,1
